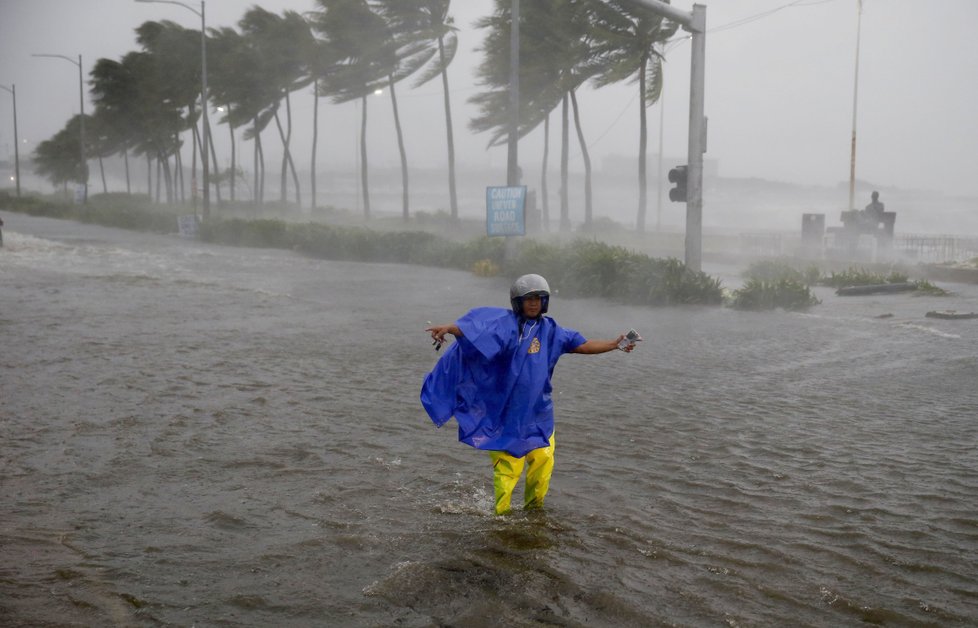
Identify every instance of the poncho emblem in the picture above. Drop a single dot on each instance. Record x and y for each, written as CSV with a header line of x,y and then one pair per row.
x,y
534,346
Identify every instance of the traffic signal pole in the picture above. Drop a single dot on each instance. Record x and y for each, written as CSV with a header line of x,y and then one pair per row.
x,y
693,22
697,141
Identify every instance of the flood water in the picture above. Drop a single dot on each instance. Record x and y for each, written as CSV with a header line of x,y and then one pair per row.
x,y
193,435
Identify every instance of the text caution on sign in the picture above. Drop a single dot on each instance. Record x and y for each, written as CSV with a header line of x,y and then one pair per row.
x,y
505,215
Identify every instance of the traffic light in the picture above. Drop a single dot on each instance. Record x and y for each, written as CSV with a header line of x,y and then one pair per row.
x,y
678,176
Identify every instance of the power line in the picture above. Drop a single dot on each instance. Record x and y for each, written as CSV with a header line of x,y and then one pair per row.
x,y
764,14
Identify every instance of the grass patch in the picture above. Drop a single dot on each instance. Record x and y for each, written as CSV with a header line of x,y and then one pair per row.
x,y
771,285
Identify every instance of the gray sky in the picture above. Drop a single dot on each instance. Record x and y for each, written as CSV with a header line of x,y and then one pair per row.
x,y
779,89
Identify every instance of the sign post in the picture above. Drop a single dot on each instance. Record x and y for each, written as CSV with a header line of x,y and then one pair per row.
x,y
506,210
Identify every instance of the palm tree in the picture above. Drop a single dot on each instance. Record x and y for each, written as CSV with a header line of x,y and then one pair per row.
x,y
134,95
359,43
285,44
176,52
627,37
113,108
239,82
431,31
556,58
319,69
220,56
58,159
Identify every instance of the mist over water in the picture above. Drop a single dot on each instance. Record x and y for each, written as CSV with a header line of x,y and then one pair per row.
x,y
193,434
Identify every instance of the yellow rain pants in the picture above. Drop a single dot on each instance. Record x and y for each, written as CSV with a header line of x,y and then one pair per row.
x,y
506,472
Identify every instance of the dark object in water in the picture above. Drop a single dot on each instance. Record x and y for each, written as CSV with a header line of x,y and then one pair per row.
x,y
950,314
879,288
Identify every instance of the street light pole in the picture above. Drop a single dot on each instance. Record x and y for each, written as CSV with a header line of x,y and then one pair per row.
x,y
855,95
81,118
13,92
206,132
512,161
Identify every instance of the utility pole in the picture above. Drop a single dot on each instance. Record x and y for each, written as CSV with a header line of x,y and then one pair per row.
x,y
512,161
13,92
205,132
81,119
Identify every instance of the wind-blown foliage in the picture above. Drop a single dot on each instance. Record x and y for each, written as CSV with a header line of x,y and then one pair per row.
x,y
556,58
286,48
148,99
59,159
426,43
626,37
359,43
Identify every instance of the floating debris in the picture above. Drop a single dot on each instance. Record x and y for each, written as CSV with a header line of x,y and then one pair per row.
x,y
950,314
848,291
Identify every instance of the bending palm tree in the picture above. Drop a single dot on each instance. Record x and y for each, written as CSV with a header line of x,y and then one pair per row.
x,y
627,36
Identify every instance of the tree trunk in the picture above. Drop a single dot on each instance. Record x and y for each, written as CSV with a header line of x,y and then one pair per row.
x,y
588,200
283,182
101,167
363,158
288,149
233,179
178,180
315,139
286,162
125,156
195,184
400,147
452,193
564,156
168,178
216,171
259,193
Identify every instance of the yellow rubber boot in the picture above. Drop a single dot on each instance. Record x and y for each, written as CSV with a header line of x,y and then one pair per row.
x,y
540,468
506,471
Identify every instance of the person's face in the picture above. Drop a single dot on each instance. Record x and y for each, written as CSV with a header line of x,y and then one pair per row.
x,y
531,306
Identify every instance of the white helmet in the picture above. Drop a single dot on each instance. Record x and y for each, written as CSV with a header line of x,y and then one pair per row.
x,y
529,285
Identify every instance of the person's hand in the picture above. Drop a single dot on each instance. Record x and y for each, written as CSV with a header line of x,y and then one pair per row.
x,y
438,333
627,347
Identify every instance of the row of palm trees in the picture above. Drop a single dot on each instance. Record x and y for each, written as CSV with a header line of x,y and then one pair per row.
x,y
346,50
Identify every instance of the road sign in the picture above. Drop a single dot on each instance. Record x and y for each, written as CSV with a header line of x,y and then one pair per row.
x,y
506,210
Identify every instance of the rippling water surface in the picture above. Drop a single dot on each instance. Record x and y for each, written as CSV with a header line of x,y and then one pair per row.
x,y
197,435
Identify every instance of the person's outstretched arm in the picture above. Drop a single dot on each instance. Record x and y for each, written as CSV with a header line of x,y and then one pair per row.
x,y
603,346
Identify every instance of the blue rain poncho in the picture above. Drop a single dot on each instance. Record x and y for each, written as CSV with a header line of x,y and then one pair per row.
x,y
495,380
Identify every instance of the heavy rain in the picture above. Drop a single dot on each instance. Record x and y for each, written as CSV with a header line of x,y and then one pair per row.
x,y
210,378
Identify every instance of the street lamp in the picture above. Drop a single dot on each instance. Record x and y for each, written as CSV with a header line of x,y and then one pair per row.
x,y
13,92
81,118
203,94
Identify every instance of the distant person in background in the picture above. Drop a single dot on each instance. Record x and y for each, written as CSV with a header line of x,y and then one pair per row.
x,y
495,381
1,232
874,211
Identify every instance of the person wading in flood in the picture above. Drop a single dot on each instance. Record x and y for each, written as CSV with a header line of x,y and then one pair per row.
x,y
495,381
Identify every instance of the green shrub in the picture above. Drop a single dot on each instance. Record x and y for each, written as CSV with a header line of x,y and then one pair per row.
x,y
859,277
594,269
778,270
758,294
